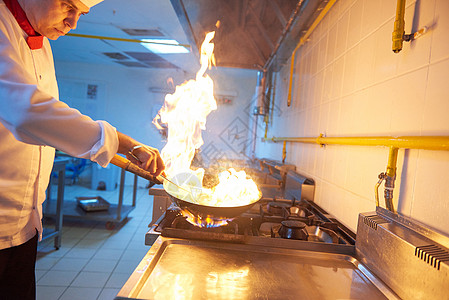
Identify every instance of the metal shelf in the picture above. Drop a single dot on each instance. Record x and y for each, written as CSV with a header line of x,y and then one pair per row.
x,y
58,166
71,210
115,215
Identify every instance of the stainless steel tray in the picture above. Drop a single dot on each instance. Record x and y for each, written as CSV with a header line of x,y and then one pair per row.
x,y
92,203
193,269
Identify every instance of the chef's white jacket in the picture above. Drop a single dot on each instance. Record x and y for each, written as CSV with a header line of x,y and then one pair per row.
x,y
32,123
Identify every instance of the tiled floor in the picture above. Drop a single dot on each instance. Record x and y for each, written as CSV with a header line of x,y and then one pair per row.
x,y
93,262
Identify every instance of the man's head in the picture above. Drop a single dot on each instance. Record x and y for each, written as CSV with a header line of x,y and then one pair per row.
x,y
54,18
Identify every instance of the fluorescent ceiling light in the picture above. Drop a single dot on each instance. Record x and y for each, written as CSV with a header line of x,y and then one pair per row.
x,y
163,46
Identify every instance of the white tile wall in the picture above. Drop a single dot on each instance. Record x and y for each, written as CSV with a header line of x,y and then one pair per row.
x,y
385,61
431,189
435,106
352,84
438,27
407,160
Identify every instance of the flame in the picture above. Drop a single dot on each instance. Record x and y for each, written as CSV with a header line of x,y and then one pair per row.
x,y
207,222
184,113
233,189
170,82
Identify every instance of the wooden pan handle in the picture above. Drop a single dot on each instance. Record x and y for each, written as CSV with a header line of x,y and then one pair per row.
x,y
127,165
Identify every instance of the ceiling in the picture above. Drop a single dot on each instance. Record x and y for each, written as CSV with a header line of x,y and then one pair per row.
x,y
250,32
114,18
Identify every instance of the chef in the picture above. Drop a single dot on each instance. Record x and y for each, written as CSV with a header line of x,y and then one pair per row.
x,y
33,122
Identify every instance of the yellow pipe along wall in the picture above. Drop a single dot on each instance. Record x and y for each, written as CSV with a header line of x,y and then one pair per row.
x,y
394,143
406,142
302,41
399,25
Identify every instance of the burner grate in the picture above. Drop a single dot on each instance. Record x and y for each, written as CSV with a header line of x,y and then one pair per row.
x,y
271,219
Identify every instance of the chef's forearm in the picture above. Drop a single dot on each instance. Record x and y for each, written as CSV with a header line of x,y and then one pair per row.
x,y
126,143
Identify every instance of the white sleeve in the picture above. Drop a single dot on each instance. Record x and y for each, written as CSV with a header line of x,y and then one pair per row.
x,y
34,116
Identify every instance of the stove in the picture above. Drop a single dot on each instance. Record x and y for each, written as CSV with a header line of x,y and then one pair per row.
x,y
269,219
287,247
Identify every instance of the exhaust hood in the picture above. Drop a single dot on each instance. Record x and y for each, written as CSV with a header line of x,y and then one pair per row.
x,y
253,34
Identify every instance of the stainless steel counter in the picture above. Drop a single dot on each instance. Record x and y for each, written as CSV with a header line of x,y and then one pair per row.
x,y
393,257
193,269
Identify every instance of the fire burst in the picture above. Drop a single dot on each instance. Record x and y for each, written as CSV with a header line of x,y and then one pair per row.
x,y
184,113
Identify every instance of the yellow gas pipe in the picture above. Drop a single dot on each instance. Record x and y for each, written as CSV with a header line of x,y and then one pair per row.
x,y
266,121
284,152
390,177
399,24
302,40
407,142
394,143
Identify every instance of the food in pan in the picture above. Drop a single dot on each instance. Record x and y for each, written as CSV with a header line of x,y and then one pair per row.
x,y
233,189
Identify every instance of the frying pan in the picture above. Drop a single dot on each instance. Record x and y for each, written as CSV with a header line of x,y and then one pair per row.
x,y
199,210
214,212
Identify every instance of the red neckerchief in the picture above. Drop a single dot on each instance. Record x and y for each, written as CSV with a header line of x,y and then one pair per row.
x,y
34,39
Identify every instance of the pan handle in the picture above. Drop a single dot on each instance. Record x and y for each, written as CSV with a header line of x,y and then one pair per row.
x,y
127,165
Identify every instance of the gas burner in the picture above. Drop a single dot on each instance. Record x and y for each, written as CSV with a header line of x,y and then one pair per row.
x,y
207,222
277,208
299,211
272,218
183,224
292,229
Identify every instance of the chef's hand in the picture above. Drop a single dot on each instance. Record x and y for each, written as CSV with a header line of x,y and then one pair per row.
x,y
146,157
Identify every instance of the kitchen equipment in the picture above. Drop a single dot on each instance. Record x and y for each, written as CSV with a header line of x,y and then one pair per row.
x,y
185,185
408,256
248,258
115,215
291,229
199,211
92,203
193,269
258,223
165,179
393,256
215,213
127,165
